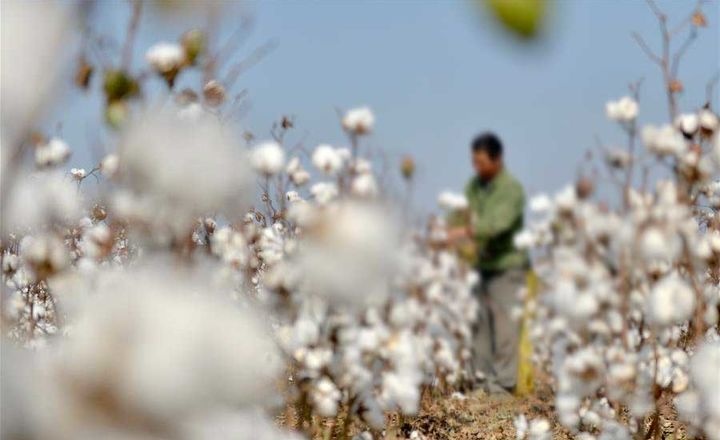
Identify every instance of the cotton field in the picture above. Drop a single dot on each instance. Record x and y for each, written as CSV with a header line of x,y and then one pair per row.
x,y
200,283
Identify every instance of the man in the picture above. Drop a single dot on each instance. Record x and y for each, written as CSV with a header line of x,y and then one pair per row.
x,y
496,201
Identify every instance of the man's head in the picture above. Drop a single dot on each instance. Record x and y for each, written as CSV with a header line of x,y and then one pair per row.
x,y
487,156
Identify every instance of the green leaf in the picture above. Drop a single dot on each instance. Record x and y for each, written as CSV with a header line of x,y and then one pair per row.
x,y
525,18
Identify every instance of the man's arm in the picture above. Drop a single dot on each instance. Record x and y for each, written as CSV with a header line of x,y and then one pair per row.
x,y
457,232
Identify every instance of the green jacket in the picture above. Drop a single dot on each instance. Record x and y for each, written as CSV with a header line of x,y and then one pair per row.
x,y
496,215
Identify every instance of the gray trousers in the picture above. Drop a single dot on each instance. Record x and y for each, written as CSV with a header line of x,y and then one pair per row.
x,y
497,336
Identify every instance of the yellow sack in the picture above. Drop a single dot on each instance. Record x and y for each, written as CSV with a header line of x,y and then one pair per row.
x,y
525,380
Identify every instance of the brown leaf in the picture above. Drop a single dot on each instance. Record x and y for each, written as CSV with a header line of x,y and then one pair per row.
x,y
675,86
699,20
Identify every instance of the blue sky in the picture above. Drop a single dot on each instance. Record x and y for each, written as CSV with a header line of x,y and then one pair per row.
x,y
438,72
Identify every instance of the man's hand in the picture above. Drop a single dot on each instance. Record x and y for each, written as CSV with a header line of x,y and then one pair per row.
x,y
457,233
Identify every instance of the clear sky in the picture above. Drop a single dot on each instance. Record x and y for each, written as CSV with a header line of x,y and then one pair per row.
x,y
438,72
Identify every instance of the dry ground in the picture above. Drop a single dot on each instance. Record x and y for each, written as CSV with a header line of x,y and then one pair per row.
x,y
476,416
480,416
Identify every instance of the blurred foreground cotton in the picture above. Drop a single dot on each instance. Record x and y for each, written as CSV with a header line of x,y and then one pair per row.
x,y
350,253
150,349
174,170
32,34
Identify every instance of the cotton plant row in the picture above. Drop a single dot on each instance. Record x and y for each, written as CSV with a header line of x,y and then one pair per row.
x,y
366,316
627,322
362,316
196,283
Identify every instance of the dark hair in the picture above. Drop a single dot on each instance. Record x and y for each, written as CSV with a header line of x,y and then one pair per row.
x,y
489,143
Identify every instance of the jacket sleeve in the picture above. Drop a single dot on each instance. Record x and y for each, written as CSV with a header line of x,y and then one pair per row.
x,y
500,215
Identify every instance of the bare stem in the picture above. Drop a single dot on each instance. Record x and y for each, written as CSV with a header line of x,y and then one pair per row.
x,y
131,34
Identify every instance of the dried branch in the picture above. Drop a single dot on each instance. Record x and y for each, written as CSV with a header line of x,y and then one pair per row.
x,y
679,54
254,58
689,19
632,135
656,10
669,65
649,52
710,87
238,37
131,34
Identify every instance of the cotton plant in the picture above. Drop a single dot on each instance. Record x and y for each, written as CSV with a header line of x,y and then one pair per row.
x,y
627,316
368,319
630,294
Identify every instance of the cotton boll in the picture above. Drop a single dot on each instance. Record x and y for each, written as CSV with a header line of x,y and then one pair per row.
x,y
539,429
585,306
358,120
618,158
401,390
671,301
271,244
704,367
44,254
192,112
149,341
78,173
325,397
708,120
680,381
567,406
230,245
417,435
452,201
663,140
614,431
524,239
96,241
540,204
521,427
316,359
348,253
688,405
165,57
174,171
364,185
268,158
365,435
306,331
623,110
52,153
293,197
109,165
657,244
300,178
404,313
324,192
566,199
371,412
362,166
621,372
327,159
688,123
10,263
298,175
41,199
